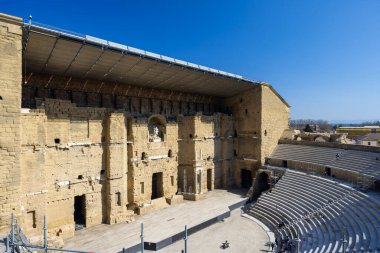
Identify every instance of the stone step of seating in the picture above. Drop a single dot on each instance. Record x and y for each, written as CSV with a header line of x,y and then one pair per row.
x,y
352,245
331,230
355,213
314,234
280,204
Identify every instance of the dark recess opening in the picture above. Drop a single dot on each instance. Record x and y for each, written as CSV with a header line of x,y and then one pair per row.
x,y
328,171
261,184
285,163
80,212
209,179
157,185
246,178
57,141
376,185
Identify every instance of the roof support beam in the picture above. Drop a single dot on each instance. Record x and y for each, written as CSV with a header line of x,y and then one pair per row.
x,y
123,54
50,54
130,69
94,64
162,72
74,59
170,78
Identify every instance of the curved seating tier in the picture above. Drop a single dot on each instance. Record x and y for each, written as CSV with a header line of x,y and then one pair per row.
x,y
336,212
367,163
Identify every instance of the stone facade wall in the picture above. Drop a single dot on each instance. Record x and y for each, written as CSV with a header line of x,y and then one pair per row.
x,y
149,156
260,117
274,120
204,154
110,158
10,97
64,155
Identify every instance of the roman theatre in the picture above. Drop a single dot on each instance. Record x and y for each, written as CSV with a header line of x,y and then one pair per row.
x,y
94,132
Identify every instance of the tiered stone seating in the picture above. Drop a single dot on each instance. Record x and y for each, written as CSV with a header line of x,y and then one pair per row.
x,y
366,163
348,211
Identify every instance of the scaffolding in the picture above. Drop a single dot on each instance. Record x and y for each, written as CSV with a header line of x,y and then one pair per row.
x,y
17,241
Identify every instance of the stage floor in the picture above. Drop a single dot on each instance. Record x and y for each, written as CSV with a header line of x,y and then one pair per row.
x,y
165,223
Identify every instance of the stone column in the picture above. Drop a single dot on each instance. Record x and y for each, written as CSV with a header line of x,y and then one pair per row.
x,y
200,190
116,171
10,110
195,181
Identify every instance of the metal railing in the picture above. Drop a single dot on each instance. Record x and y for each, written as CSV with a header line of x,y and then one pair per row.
x,y
16,241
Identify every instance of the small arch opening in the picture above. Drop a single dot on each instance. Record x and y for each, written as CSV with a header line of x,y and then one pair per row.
x,y
170,153
143,156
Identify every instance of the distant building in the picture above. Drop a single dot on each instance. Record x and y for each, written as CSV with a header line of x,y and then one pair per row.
x,y
354,132
372,139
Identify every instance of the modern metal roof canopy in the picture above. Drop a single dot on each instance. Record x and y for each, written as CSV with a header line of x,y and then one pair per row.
x,y
57,52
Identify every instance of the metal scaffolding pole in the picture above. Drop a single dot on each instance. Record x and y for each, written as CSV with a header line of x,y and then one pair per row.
x,y
13,233
142,237
7,244
45,235
185,238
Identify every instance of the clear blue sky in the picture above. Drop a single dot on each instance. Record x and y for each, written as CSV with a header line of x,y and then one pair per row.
x,y
322,56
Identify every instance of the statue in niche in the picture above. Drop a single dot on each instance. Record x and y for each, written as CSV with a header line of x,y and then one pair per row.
x,y
155,137
156,131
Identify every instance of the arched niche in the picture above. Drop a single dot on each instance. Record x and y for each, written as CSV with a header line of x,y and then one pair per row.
x,y
156,128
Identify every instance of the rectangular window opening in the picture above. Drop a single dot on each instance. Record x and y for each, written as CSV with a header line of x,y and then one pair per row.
x,y
142,187
118,198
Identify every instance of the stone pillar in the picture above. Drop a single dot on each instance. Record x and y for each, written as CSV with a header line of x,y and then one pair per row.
x,y
184,180
116,171
10,109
